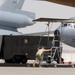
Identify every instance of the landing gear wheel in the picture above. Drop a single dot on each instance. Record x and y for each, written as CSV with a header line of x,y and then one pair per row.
x,y
49,60
62,60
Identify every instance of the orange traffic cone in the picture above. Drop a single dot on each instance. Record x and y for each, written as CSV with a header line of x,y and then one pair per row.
x,y
62,62
69,62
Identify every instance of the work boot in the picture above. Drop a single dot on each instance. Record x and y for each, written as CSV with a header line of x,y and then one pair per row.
x,y
40,66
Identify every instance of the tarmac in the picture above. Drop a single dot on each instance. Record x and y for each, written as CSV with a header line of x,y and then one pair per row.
x,y
23,69
36,71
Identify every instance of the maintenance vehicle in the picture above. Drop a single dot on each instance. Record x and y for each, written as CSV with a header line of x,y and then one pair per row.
x,y
20,48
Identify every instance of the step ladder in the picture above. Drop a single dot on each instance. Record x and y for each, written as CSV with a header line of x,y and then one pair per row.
x,y
55,53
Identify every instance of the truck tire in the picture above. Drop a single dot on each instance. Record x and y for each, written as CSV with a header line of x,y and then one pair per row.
x,y
24,60
7,61
13,60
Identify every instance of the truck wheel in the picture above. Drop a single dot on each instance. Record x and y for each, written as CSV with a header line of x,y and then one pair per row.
x,y
24,60
18,61
13,60
7,61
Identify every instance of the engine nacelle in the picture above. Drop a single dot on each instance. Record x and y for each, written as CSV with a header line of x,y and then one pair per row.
x,y
14,20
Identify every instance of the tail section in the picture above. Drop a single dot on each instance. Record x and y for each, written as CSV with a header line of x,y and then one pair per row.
x,y
27,13
11,5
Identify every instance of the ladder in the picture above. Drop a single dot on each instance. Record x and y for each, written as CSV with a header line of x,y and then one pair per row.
x,y
51,56
55,53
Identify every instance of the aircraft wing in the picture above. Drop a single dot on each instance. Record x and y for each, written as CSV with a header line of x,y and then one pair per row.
x,y
54,20
64,2
41,33
11,5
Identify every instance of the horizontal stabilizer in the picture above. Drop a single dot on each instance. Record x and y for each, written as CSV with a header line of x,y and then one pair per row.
x,y
5,30
8,28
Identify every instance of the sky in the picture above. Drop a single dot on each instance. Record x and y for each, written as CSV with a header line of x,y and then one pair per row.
x,y
48,10
45,9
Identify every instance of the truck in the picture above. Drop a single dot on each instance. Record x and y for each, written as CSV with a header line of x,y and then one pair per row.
x,y
20,48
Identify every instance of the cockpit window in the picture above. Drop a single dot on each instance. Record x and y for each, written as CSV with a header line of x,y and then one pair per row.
x,y
71,25
64,25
